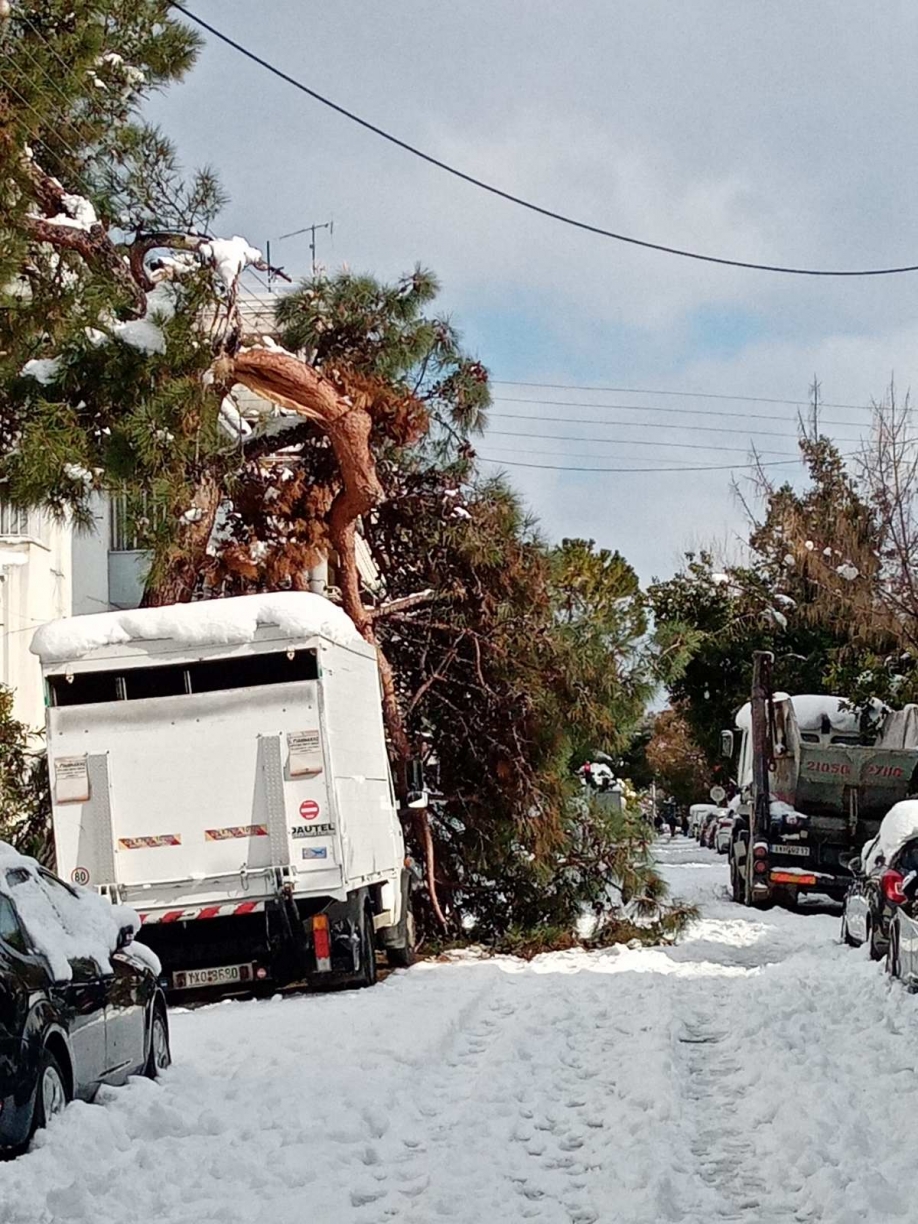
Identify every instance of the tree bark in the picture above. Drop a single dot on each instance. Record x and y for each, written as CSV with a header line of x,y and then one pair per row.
x,y
286,380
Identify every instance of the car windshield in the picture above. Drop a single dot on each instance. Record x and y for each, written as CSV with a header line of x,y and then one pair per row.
x,y
66,927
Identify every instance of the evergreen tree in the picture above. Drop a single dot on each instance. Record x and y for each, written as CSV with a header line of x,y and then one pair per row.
x,y
105,277
25,797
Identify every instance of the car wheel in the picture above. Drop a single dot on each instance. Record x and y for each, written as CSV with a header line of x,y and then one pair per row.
x,y
846,934
876,951
892,954
52,1093
160,1055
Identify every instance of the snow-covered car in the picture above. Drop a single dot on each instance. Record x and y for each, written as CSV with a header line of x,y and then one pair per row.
x,y
697,814
80,1004
875,892
723,832
902,953
710,824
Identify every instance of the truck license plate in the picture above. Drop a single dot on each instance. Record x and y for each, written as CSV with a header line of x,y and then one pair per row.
x,y
802,851
189,978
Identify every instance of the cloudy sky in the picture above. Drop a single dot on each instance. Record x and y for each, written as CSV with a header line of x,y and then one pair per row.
x,y
772,132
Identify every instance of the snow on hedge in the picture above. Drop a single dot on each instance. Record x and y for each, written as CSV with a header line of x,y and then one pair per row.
x,y
212,622
64,923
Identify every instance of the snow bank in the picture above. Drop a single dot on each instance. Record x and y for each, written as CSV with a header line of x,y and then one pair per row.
x,y
211,622
900,825
63,924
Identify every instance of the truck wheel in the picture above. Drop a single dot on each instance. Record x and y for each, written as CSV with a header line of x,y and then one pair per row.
x,y
405,956
736,884
366,974
400,953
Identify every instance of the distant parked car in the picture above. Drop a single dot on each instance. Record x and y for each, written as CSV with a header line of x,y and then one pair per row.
x,y
697,814
80,1005
723,832
875,893
710,825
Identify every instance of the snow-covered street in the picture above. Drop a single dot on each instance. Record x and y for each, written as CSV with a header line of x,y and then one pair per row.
x,y
757,1071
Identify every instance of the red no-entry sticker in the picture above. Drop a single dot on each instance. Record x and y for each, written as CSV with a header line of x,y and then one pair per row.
x,y
309,809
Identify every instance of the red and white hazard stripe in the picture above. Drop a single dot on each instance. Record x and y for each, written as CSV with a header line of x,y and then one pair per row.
x,y
208,911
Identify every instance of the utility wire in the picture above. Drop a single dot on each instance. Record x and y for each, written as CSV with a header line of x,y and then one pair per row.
x,y
511,433
717,467
518,200
603,422
677,465
743,416
748,399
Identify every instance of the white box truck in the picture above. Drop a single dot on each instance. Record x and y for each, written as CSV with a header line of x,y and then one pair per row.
x,y
221,767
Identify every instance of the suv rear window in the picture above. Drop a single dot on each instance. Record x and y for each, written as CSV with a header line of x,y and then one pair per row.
x,y
907,858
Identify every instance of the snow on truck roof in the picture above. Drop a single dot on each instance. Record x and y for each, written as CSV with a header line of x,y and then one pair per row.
x,y
210,622
809,710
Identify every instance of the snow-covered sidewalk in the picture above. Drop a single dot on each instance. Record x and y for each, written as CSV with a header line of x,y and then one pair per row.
x,y
757,1071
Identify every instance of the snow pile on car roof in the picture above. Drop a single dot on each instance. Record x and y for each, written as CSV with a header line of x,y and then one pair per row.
x,y
63,923
899,825
210,622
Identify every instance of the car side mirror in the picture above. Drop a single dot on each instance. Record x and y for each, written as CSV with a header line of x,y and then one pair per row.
x,y
418,799
726,743
125,937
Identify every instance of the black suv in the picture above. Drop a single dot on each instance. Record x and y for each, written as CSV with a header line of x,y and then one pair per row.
x,y
875,894
71,1018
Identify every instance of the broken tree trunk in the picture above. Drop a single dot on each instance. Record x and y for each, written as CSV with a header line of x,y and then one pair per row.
x,y
284,379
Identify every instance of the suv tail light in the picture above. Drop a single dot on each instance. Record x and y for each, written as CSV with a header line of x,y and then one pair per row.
x,y
891,884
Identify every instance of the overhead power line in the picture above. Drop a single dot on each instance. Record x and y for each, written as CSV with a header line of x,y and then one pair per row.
x,y
715,467
743,416
519,200
603,422
552,437
718,395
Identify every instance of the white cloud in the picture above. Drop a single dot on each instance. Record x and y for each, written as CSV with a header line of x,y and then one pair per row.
x,y
772,133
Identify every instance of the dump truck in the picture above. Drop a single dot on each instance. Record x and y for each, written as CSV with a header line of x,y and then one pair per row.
x,y
221,767
814,778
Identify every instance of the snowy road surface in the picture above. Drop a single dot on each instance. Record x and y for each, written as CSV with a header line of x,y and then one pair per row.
x,y
758,1071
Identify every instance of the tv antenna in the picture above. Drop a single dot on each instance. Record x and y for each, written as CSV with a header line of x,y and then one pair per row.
x,y
311,230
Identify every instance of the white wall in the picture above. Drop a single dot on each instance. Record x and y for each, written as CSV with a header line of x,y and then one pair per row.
x,y
90,562
30,594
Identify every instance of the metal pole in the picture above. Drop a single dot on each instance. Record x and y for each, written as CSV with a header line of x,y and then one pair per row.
x,y
761,756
